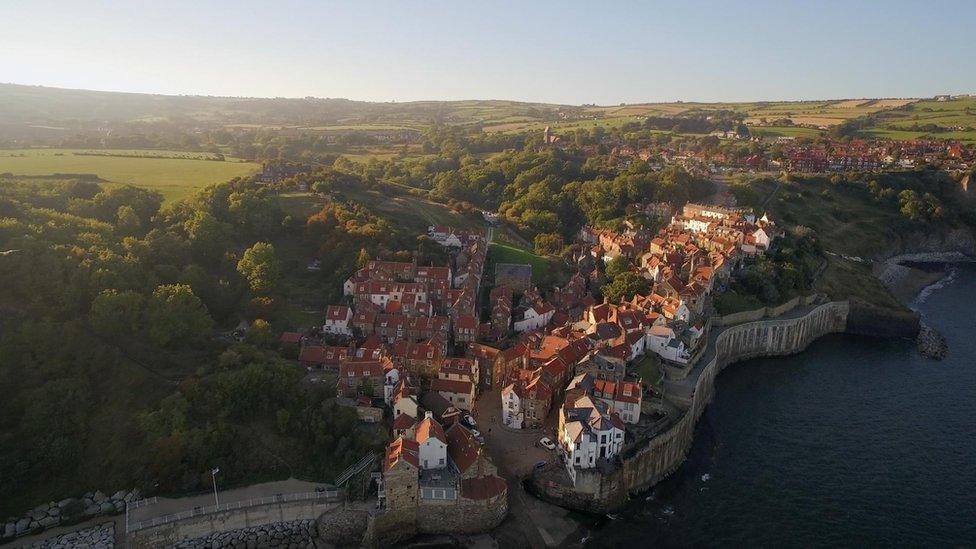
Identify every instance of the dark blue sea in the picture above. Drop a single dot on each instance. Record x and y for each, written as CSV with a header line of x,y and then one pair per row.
x,y
855,442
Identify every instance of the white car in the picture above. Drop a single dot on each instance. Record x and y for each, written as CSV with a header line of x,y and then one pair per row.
x,y
547,443
475,432
470,421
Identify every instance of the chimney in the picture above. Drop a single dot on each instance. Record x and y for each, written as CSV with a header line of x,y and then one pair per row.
x,y
428,415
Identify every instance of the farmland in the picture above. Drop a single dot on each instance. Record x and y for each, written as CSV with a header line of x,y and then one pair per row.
x,y
174,174
954,119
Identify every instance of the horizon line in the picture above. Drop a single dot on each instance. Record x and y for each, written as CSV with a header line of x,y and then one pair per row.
x,y
394,101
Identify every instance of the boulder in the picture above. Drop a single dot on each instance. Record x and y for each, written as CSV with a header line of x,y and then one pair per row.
x,y
106,507
92,510
10,530
48,522
118,495
54,511
65,502
98,497
23,525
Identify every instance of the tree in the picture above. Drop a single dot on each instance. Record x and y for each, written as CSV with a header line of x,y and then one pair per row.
x,y
362,259
260,267
175,315
127,222
616,267
548,243
115,313
626,286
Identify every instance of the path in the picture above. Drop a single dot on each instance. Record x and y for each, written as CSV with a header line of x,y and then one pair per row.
x,y
169,506
515,453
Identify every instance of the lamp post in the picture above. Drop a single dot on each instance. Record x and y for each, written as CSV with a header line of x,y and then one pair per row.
x,y
213,476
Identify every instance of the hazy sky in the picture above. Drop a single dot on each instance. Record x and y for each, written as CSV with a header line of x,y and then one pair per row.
x,y
564,52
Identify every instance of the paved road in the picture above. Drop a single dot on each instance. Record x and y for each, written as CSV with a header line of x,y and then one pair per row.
x,y
169,506
515,453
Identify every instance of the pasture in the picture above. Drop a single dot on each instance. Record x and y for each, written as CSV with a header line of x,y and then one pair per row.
x,y
175,174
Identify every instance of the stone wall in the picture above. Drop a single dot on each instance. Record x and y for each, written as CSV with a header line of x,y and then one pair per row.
x,y
101,536
773,311
466,516
203,525
296,533
643,466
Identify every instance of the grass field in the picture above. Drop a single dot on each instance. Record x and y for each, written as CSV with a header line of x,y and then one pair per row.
x,y
175,177
956,117
785,131
500,252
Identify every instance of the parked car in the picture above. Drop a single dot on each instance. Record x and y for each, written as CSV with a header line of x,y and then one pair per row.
x,y
541,464
476,433
469,421
547,443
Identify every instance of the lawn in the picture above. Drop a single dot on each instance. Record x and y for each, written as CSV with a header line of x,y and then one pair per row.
x,y
176,177
507,253
649,370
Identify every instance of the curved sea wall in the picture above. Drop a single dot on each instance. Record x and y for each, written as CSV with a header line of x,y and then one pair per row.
x,y
645,465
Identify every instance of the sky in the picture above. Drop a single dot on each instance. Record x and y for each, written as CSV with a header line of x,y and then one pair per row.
x,y
556,52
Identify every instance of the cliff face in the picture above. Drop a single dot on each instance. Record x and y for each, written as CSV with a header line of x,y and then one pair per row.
x,y
956,240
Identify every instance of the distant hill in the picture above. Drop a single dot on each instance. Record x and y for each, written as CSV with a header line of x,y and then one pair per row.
x,y
40,109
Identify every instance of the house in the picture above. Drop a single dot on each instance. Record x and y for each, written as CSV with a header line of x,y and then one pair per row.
x,y
465,329
589,433
431,443
459,369
459,393
315,356
366,376
404,426
526,400
444,412
662,341
337,319
533,317
623,397
516,276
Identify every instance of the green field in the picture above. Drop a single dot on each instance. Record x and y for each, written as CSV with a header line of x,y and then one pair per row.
x,y
499,252
785,131
956,119
175,177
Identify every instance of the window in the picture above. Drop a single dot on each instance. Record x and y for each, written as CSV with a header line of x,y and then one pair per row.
x,y
441,461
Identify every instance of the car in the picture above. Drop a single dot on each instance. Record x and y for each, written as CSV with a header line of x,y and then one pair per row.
x,y
540,464
475,432
547,443
469,421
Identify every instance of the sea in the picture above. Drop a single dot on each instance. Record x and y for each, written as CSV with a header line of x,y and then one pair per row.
x,y
855,442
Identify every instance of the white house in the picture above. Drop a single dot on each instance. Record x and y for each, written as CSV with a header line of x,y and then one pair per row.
x,y
534,317
390,381
762,239
589,431
512,415
337,319
662,341
432,443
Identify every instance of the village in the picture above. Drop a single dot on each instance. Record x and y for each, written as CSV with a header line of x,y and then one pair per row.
x,y
483,379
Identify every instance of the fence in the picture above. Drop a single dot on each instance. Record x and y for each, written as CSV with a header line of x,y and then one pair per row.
x,y
327,495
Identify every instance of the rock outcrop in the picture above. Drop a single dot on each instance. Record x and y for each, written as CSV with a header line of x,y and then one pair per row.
x,y
101,536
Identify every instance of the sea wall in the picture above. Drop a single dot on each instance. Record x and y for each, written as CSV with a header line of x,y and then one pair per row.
x,y
646,464
241,519
465,516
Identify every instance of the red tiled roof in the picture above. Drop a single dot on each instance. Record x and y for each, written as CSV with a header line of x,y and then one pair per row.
x,y
451,386
429,428
483,487
462,447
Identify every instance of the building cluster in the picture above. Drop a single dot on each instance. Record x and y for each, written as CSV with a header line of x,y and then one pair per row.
x,y
822,155
402,340
392,346
586,357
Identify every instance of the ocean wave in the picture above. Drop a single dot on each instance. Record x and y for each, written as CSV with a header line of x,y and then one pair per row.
x,y
932,288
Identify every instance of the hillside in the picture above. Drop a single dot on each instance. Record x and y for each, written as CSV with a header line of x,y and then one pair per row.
x,y
39,112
